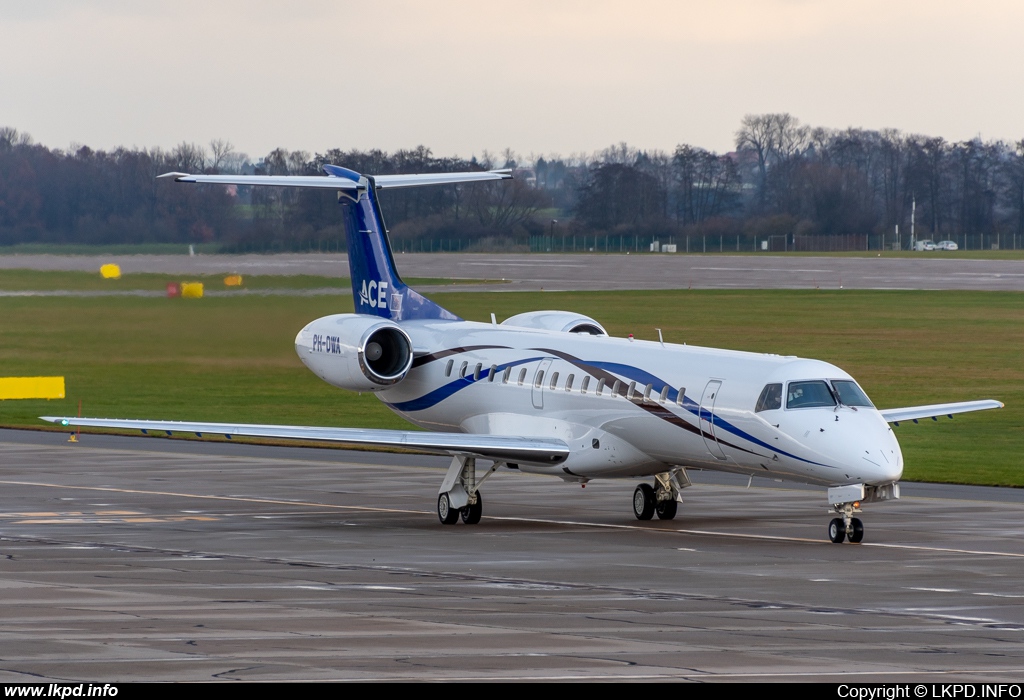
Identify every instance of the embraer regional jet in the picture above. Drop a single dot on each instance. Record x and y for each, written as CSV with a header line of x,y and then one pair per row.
x,y
550,392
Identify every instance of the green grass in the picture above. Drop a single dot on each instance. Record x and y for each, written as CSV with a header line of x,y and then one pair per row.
x,y
111,249
231,358
38,280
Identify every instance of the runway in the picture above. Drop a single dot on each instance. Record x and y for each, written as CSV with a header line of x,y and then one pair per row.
x,y
555,272
150,559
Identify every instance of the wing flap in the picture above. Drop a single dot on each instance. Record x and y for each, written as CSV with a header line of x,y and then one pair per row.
x,y
506,448
895,415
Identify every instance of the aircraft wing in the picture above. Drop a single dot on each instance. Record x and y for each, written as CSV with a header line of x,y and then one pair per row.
x,y
895,415
346,182
499,447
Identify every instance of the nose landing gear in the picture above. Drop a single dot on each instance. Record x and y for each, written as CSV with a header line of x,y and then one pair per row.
x,y
846,527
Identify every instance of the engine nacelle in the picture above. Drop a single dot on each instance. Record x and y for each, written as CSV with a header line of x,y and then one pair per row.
x,y
357,352
562,321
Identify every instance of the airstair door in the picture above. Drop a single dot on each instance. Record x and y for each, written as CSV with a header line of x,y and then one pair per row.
x,y
539,380
707,418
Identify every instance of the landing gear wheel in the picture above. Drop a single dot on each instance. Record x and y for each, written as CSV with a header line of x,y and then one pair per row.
x,y
471,513
445,513
856,533
644,502
666,510
837,530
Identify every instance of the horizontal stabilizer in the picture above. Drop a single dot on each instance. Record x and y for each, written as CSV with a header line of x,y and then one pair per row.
x,y
505,448
322,181
342,179
895,415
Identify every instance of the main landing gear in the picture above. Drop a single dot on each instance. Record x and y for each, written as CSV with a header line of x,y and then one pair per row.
x,y
663,498
459,495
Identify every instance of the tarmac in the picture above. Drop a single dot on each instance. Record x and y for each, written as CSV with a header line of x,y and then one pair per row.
x,y
585,271
141,559
129,559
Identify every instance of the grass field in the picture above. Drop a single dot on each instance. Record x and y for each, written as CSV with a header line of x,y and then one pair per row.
x,y
231,358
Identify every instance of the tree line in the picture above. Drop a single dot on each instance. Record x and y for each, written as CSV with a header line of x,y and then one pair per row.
x,y
784,178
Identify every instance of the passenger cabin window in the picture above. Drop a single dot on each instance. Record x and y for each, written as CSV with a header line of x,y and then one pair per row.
x,y
681,395
615,388
506,375
770,399
476,372
539,379
490,375
586,383
522,376
462,370
554,379
850,394
647,393
600,388
448,368
813,394
631,391
568,382
664,394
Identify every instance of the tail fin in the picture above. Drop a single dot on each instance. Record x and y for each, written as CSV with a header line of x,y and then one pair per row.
x,y
376,287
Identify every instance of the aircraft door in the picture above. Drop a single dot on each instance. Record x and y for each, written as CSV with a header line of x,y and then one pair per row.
x,y
539,380
707,414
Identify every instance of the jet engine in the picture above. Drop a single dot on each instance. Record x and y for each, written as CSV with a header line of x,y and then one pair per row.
x,y
563,321
357,352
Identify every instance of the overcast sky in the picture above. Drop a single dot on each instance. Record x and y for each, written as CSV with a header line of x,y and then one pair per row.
x,y
540,77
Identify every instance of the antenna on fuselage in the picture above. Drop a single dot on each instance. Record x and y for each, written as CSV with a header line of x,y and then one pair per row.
x,y
660,339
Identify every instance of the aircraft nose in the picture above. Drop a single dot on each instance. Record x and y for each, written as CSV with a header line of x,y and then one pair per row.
x,y
866,449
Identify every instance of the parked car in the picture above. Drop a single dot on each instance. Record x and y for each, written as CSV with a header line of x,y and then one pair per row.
x,y
947,245
926,244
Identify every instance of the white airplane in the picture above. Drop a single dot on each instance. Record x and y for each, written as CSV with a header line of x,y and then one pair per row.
x,y
550,392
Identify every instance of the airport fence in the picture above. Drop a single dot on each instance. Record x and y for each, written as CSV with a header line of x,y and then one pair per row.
x,y
639,244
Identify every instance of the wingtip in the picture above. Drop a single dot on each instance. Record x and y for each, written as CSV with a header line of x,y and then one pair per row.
x,y
174,175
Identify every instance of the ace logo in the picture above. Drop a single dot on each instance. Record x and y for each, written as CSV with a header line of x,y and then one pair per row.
x,y
374,294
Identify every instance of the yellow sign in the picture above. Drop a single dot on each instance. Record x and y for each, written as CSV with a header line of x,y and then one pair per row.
x,y
233,281
31,387
110,271
191,290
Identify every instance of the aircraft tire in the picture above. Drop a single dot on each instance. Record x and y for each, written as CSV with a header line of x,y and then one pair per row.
x,y
856,533
644,502
837,530
445,513
666,510
471,513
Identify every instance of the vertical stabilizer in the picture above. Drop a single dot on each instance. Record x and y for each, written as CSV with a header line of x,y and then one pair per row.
x,y
377,288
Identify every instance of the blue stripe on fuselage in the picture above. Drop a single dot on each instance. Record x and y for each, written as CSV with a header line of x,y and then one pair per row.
x,y
441,393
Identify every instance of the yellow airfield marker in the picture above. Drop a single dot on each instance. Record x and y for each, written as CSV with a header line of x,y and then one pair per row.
x,y
191,290
110,271
31,388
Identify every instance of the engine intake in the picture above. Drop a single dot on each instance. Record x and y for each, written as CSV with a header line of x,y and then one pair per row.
x,y
355,351
560,321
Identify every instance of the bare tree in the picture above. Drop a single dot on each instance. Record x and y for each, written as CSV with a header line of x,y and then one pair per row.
x,y
221,150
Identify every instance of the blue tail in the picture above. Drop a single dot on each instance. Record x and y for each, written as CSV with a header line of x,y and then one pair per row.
x,y
377,289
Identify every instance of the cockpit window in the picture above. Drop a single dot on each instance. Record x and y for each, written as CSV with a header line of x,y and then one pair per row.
x,y
813,394
850,394
771,398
